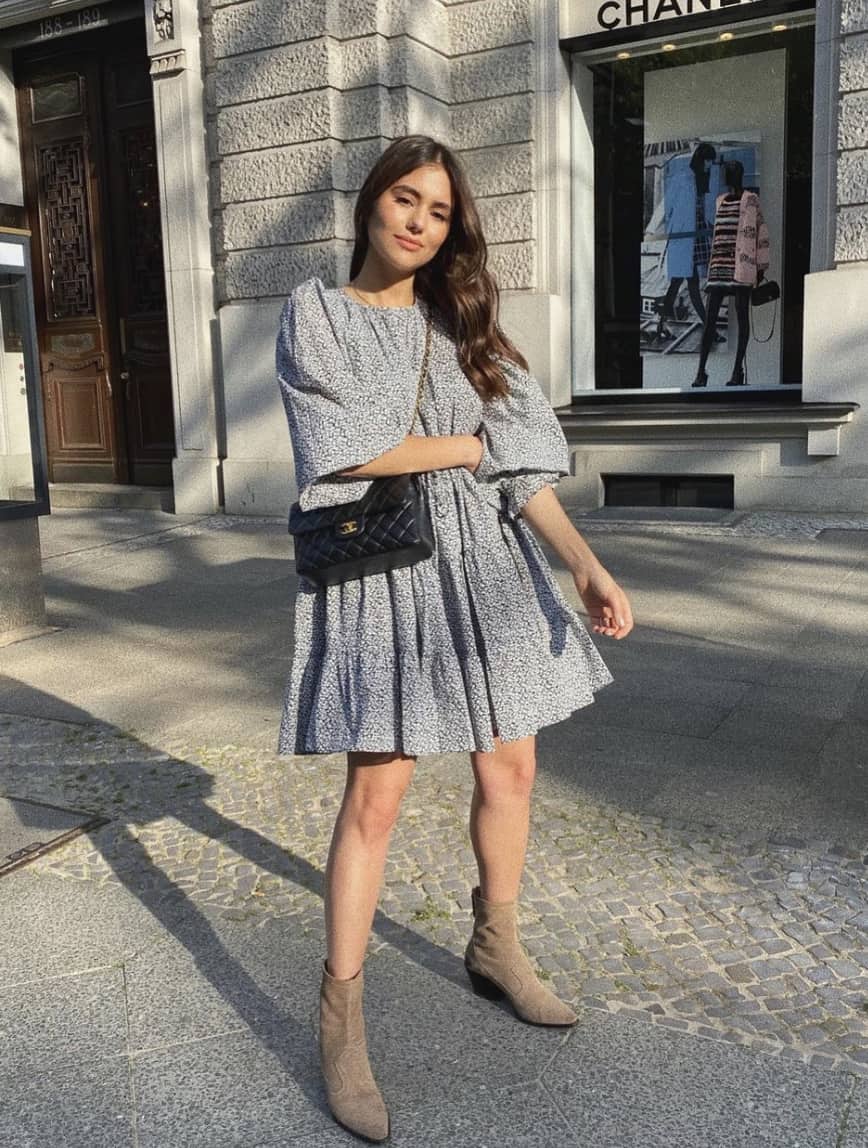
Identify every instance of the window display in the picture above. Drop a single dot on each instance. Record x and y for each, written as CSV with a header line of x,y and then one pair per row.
x,y
683,184
702,167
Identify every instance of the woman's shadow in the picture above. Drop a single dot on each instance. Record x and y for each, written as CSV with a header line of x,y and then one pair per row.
x,y
154,786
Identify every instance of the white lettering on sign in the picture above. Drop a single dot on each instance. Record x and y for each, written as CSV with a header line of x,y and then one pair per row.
x,y
587,17
78,21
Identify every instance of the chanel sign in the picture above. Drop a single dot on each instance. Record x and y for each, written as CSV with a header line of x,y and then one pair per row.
x,y
587,17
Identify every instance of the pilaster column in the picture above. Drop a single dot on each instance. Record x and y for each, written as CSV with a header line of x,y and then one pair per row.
x,y
179,120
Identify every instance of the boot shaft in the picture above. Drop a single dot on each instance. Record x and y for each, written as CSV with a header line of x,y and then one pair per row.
x,y
493,920
341,1015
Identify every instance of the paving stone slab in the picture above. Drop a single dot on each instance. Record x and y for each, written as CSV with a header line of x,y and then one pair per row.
x,y
858,707
856,1132
214,976
83,1105
694,793
51,926
618,1083
846,747
837,643
820,698
434,1046
651,649
486,1117
821,807
775,724
70,530
433,1039
56,1022
667,715
673,773
227,1090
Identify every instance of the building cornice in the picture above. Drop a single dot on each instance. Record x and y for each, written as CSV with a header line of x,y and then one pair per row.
x,y
627,420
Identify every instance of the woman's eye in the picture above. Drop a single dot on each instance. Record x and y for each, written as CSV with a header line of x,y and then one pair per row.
x,y
403,199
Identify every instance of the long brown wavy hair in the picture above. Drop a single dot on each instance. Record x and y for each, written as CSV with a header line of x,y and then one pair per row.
x,y
455,283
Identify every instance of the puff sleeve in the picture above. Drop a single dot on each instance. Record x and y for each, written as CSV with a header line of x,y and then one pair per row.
x,y
525,447
338,417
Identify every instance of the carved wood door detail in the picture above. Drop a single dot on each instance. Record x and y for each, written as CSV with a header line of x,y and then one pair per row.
x,y
86,116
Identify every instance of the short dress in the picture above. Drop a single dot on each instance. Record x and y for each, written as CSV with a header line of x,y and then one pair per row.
x,y
478,638
721,267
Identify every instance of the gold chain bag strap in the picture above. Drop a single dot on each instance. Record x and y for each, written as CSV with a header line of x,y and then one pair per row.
x,y
387,528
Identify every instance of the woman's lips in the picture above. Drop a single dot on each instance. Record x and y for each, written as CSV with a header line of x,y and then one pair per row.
x,y
408,243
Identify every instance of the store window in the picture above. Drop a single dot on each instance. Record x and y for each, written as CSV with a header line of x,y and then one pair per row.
x,y
701,157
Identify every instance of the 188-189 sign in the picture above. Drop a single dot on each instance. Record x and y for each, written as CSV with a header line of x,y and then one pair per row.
x,y
80,21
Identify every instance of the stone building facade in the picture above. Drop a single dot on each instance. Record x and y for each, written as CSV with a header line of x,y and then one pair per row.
x,y
303,99
268,114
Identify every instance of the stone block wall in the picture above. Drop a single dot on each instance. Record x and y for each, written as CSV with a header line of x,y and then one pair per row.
x,y
851,239
304,95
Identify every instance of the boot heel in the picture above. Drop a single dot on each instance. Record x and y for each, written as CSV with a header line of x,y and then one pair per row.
x,y
483,987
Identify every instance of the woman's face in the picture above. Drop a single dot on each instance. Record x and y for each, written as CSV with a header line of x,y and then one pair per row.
x,y
411,219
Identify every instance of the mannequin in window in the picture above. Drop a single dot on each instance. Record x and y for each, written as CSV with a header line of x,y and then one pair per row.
x,y
689,243
739,261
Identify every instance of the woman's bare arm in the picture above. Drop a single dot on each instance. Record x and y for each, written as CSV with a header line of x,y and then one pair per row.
x,y
422,452
549,520
605,601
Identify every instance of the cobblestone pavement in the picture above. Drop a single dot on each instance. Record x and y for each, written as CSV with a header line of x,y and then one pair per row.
x,y
742,938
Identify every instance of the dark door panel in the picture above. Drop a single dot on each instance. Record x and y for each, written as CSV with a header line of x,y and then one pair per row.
x,y
63,202
140,291
89,157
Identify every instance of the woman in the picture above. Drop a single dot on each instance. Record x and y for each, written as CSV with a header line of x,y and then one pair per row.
x,y
474,648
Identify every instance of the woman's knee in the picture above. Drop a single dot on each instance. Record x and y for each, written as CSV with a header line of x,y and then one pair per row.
x,y
373,796
508,775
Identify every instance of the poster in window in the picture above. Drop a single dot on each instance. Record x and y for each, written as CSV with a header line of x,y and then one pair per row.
x,y
682,181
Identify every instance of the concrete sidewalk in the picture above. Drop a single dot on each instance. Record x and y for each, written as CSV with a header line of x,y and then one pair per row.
x,y
697,875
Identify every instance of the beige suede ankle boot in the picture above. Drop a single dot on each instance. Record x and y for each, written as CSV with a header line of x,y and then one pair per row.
x,y
352,1092
498,966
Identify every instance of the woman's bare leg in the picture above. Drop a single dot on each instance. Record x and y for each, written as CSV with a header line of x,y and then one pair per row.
x,y
500,814
376,783
499,819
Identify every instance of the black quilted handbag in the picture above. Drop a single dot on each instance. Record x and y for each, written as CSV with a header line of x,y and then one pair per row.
x,y
765,292
388,527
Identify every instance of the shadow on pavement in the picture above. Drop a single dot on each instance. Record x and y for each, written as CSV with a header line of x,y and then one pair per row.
x,y
152,781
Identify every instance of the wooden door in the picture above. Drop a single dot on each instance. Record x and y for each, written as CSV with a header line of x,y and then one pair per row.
x,y
86,116
136,271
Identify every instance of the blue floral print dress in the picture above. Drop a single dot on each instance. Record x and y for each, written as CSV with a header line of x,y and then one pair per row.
x,y
474,641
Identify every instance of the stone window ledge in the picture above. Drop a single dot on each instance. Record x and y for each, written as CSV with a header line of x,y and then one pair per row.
x,y
644,417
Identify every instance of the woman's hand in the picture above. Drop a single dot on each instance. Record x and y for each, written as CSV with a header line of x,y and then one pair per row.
x,y
475,451
606,603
